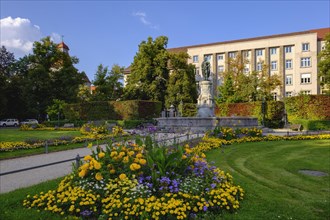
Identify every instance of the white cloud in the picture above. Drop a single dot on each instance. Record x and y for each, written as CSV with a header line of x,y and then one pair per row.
x,y
19,34
143,18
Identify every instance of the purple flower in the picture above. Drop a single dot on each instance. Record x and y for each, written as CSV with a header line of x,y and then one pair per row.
x,y
205,208
213,185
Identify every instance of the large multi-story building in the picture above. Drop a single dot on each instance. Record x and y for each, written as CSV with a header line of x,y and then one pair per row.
x,y
294,56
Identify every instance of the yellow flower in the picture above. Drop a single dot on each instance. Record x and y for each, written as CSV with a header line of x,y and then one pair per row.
x,y
184,157
112,171
101,154
97,165
142,161
139,155
113,153
134,166
88,157
82,173
98,176
126,159
85,166
122,176
90,145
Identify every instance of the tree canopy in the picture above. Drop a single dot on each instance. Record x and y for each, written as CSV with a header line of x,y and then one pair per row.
x,y
244,87
149,71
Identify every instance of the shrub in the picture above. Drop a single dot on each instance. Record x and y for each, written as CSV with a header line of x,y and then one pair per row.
x,y
313,125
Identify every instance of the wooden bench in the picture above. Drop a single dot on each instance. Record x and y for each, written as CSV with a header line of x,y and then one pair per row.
x,y
68,125
296,127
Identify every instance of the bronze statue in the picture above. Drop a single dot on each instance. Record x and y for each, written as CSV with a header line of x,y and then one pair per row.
x,y
206,69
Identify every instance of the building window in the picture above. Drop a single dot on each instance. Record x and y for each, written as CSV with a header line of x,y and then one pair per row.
x,y
288,64
274,95
207,57
220,69
220,57
305,47
273,51
274,65
246,70
259,66
246,54
288,80
288,49
195,59
288,94
232,54
259,52
305,62
306,92
305,78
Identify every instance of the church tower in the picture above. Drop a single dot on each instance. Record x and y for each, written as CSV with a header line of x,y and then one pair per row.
x,y
63,47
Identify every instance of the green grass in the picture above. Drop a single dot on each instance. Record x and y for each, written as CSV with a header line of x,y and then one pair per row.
x,y
268,172
12,134
11,207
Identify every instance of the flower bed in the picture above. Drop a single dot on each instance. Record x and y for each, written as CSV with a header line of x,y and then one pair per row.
x,y
134,181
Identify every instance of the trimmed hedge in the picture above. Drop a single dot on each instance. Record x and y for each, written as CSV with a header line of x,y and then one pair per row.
x,y
309,107
189,110
273,117
113,110
313,125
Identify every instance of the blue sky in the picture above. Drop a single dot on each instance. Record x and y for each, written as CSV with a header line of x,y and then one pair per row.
x,y
109,32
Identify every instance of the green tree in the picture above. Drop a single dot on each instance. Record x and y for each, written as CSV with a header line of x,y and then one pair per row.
x,y
149,71
55,110
51,75
241,87
324,66
84,94
181,85
107,83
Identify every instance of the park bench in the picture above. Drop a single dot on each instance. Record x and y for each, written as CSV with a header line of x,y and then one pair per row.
x,y
296,127
68,125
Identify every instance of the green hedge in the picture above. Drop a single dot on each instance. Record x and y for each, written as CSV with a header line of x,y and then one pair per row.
x,y
309,107
189,110
313,125
273,117
113,110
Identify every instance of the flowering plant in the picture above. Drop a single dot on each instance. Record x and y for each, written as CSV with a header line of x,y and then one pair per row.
x,y
128,181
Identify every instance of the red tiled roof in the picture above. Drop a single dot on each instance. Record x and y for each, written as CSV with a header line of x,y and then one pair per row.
x,y
63,45
320,35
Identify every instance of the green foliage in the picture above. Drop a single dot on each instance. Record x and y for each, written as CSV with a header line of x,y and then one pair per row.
x,y
35,80
273,117
55,110
310,107
324,66
113,110
149,71
240,87
313,125
181,85
189,110
108,86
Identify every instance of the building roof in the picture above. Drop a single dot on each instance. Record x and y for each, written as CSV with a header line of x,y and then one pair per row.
x,y
63,45
320,36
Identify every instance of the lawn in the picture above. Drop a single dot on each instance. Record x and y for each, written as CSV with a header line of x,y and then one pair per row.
x,y
13,134
267,171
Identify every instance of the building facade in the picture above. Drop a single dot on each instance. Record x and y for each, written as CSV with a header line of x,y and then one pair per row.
x,y
293,56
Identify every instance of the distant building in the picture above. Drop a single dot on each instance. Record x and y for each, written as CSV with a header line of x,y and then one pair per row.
x,y
294,56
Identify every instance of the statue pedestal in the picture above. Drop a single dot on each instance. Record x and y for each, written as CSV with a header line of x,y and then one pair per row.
x,y
205,102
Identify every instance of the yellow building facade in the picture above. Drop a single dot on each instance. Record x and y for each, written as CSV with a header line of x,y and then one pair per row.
x,y
293,56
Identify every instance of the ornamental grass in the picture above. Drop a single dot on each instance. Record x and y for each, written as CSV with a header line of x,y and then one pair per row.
x,y
142,181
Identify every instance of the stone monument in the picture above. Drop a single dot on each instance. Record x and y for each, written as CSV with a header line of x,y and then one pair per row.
x,y
205,101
